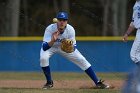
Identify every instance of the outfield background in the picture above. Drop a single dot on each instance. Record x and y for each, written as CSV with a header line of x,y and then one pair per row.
x,y
106,54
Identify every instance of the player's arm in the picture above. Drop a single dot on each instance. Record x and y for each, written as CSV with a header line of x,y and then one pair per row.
x,y
129,31
46,39
54,37
49,38
48,44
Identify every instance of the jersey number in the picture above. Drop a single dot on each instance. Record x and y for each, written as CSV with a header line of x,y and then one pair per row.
x,y
138,15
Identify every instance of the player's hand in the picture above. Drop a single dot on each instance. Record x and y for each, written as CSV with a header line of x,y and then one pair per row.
x,y
125,37
55,36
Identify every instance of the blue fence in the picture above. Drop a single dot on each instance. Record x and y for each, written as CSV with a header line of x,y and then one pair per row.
x,y
105,56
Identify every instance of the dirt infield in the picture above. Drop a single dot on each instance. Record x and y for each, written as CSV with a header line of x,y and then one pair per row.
x,y
66,84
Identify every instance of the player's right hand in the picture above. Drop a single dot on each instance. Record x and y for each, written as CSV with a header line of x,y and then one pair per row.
x,y
125,38
55,36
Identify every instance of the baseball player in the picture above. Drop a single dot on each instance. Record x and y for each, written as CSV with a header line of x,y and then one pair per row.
x,y
62,33
133,82
135,24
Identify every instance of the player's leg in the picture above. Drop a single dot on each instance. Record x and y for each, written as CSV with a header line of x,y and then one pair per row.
x,y
44,63
135,50
77,58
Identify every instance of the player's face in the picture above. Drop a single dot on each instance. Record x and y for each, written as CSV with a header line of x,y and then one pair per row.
x,y
62,23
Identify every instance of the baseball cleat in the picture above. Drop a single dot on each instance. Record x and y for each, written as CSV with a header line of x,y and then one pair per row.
x,y
101,85
48,85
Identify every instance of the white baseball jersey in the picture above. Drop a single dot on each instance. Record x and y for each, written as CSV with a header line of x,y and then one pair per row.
x,y
135,50
69,33
136,15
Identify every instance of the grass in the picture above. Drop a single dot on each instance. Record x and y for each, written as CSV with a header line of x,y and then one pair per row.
x,y
58,91
57,76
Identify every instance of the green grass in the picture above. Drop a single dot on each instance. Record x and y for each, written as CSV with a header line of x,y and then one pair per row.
x,y
58,91
57,76
21,76
116,76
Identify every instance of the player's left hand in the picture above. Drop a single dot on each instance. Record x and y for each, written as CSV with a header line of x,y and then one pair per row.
x,y
67,45
125,38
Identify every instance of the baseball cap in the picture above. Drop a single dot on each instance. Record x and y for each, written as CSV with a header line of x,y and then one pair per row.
x,y
62,15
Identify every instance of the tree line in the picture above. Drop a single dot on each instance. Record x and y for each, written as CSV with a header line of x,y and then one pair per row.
x,y
88,17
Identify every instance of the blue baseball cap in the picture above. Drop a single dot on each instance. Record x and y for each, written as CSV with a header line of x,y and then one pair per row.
x,y
62,15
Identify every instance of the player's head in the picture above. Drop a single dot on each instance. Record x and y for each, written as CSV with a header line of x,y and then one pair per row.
x,y
62,19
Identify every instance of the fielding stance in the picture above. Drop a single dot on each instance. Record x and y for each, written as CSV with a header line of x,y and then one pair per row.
x,y
60,38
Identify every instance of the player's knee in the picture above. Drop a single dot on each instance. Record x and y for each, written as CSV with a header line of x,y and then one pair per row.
x,y
44,61
87,66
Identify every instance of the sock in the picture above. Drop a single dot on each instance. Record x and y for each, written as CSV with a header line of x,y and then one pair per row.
x,y
47,73
92,75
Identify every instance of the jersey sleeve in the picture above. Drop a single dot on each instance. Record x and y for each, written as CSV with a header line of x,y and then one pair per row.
x,y
47,35
72,35
136,16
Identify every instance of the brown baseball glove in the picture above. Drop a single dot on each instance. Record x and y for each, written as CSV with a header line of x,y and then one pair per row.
x,y
67,45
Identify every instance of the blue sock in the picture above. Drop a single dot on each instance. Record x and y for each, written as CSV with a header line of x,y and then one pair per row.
x,y
92,75
47,73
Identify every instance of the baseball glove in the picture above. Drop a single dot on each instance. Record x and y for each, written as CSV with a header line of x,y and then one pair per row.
x,y
67,45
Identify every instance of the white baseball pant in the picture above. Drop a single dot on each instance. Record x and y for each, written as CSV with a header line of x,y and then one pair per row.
x,y
75,57
135,50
